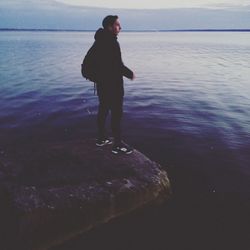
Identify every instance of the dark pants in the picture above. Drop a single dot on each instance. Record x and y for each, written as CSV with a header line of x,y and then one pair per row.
x,y
114,104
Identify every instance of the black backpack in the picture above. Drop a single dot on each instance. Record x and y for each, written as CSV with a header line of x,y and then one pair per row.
x,y
89,67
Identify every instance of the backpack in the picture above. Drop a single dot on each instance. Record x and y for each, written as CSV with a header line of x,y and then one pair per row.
x,y
88,66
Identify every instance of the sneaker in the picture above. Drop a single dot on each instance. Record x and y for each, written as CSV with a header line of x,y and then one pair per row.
x,y
122,148
102,142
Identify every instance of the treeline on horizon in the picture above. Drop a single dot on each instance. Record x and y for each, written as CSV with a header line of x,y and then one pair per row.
x,y
146,30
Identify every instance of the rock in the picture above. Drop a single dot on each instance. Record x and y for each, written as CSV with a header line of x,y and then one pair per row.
x,y
50,193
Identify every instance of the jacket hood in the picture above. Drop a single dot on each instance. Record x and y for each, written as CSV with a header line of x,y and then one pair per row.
x,y
102,34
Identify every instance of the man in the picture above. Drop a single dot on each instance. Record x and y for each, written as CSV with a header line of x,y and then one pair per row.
x,y
110,90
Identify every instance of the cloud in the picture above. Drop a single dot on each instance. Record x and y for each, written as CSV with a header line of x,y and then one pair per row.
x,y
155,4
49,14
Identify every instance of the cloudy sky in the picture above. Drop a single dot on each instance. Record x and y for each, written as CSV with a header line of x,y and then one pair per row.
x,y
153,14
152,4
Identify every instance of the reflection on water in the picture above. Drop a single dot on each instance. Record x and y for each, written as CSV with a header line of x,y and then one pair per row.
x,y
188,107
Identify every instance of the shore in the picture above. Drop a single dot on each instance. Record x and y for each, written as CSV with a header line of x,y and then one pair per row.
x,y
52,192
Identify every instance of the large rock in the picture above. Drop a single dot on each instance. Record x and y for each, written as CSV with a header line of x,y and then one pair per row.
x,y
49,193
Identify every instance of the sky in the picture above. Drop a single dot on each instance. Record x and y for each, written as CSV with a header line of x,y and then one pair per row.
x,y
155,4
153,15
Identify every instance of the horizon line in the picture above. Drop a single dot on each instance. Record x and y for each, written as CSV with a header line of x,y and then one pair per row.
x,y
128,30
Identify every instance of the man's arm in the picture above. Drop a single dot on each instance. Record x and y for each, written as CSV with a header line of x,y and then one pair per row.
x,y
127,72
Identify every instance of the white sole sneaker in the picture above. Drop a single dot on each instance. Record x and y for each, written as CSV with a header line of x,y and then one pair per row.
x,y
103,143
122,151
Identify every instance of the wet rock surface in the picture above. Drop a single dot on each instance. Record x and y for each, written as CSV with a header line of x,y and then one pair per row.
x,y
51,192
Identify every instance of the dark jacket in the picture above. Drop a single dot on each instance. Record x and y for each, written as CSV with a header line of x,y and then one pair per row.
x,y
110,68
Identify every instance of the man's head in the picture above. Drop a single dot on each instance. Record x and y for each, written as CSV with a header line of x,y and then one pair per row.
x,y
112,24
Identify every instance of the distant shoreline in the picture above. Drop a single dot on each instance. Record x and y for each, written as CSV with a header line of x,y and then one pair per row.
x,y
172,30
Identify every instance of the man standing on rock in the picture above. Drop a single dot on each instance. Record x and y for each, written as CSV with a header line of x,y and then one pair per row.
x,y
110,90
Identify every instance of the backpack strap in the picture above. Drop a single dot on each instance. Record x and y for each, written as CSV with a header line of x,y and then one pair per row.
x,y
94,88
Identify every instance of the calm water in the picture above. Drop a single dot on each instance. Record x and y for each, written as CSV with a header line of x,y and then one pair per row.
x,y
189,107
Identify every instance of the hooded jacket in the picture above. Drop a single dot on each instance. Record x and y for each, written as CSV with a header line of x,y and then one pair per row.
x,y
108,60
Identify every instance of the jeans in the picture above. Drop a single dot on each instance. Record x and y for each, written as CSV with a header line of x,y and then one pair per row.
x,y
115,105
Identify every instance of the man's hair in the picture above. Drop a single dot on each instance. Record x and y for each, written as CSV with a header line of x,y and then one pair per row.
x,y
109,21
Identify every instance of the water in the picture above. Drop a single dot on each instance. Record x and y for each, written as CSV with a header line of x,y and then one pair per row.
x,y
187,109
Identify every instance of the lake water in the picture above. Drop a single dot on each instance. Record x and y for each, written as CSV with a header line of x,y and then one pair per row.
x,y
188,109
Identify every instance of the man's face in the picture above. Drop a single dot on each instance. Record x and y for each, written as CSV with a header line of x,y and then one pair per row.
x,y
116,27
